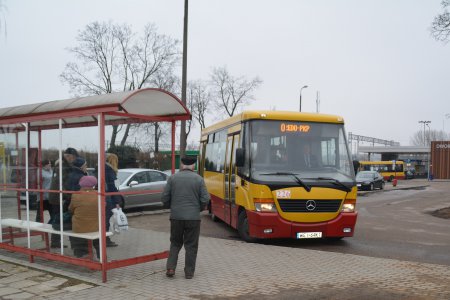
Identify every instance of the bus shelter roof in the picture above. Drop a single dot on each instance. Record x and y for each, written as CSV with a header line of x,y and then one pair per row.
x,y
144,105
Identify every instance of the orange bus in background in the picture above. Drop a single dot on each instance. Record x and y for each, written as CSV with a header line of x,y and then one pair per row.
x,y
389,169
275,174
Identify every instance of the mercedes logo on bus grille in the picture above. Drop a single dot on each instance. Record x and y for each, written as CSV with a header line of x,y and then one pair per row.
x,y
310,205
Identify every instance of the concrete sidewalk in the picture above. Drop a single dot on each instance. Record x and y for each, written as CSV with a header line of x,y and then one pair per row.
x,y
228,269
231,269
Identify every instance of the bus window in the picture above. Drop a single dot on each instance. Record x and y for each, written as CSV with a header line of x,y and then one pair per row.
x,y
270,141
328,149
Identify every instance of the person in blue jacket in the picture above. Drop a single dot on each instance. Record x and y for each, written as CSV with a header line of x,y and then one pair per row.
x,y
112,201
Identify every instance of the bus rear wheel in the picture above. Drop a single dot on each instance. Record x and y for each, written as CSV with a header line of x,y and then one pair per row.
x,y
243,228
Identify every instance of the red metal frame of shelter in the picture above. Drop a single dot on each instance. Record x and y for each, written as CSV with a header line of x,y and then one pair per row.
x,y
145,105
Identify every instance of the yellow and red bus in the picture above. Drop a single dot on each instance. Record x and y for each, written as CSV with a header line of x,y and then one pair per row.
x,y
275,174
389,169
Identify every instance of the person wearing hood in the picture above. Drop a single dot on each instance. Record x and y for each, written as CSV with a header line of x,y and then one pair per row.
x,y
77,171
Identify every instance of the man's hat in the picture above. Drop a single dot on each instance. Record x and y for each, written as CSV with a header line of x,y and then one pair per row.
x,y
189,160
72,151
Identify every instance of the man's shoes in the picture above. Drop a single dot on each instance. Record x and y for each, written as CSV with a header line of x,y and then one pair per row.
x,y
110,243
188,276
170,272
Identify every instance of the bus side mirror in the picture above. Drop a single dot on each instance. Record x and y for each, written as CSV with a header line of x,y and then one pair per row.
x,y
240,157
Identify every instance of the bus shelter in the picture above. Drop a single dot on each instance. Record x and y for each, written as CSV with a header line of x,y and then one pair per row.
x,y
28,131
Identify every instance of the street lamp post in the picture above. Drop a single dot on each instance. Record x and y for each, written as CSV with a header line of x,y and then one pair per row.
x,y
429,154
304,87
424,123
424,142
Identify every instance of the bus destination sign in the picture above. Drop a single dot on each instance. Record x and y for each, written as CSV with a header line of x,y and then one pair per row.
x,y
294,128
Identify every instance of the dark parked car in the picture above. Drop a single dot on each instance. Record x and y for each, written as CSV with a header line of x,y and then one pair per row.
x,y
149,182
369,180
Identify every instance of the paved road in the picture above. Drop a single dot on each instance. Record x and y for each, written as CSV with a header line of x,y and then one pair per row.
x,y
229,268
394,223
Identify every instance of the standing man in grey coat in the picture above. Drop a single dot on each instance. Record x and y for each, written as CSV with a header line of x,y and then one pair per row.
x,y
186,196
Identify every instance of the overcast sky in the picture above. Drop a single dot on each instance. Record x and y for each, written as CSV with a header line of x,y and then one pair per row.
x,y
373,62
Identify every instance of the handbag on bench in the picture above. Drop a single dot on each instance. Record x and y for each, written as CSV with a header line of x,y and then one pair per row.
x,y
67,221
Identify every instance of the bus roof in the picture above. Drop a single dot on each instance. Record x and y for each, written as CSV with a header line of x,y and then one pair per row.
x,y
273,115
381,162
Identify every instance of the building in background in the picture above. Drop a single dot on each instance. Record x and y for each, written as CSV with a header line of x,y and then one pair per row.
x,y
440,159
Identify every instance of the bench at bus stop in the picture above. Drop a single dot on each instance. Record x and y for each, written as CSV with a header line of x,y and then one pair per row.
x,y
47,228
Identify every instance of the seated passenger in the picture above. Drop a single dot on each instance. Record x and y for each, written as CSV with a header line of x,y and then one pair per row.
x,y
84,209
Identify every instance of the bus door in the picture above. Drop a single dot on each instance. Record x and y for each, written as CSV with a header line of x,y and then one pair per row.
x,y
230,177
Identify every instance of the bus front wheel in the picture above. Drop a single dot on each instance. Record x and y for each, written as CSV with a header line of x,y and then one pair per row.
x,y
243,228
214,217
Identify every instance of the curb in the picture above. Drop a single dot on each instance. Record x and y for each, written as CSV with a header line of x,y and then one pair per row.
x,y
416,187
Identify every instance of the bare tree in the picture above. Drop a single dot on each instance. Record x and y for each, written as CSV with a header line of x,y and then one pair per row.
x,y
192,146
163,79
199,97
111,57
424,139
231,92
440,28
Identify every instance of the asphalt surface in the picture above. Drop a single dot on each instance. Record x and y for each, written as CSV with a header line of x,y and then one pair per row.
x,y
393,223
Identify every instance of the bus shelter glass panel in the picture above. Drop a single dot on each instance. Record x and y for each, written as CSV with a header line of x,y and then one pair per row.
x,y
134,181
129,176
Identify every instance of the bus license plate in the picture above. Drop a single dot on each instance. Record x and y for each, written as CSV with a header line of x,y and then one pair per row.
x,y
309,235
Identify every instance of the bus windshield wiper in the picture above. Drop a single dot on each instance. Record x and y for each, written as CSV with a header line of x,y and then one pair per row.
x,y
337,182
297,179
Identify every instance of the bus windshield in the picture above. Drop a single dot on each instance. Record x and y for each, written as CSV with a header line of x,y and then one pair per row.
x,y
307,149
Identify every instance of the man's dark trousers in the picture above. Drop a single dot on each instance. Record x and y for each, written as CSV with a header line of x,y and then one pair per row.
x,y
185,232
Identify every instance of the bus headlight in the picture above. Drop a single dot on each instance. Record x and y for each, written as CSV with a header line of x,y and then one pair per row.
x,y
348,207
265,207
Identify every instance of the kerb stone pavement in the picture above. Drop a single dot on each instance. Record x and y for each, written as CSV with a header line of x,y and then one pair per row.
x,y
232,269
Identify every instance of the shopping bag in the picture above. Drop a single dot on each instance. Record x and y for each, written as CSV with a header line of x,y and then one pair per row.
x,y
120,220
113,227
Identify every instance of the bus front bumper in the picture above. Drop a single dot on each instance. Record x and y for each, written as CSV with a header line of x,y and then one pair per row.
x,y
271,225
